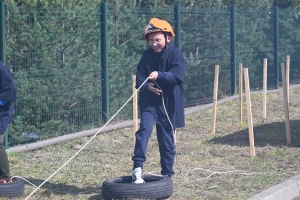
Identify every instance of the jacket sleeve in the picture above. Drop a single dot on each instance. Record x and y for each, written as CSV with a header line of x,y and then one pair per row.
x,y
168,77
7,88
141,76
175,69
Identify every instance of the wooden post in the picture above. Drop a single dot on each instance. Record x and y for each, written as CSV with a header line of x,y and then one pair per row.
x,y
265,77
286,107
215,99
249,113
241,93
134,108
288,78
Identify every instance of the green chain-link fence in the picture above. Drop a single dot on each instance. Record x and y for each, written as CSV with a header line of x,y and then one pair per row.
x,y
56,58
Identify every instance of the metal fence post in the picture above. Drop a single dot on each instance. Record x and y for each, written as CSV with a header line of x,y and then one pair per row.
x,y
276,58
177,25
2,33
3,51
6,139
104,60
233,48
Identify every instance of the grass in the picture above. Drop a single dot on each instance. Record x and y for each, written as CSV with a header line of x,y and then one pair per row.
x,y
208,167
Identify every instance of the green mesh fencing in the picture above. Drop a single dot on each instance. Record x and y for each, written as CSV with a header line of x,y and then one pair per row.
x,y
205,43
255,41
289,41
54,56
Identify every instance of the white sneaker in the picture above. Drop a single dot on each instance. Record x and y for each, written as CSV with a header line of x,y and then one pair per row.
x,y
137,175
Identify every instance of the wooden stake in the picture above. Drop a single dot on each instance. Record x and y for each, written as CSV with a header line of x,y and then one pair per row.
x,y
286,106
288,78
215,99
265,77
249,113
134,108
241,93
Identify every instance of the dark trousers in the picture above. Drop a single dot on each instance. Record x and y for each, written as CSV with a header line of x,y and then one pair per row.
x,y
165,140
4,166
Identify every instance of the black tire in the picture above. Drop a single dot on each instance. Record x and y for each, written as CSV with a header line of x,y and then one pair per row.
x,y
14,189
155,187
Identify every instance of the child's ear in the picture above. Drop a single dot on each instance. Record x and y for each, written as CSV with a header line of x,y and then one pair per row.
x,y
169,38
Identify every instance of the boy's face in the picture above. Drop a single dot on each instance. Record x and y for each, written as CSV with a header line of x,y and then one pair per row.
x,y
157,41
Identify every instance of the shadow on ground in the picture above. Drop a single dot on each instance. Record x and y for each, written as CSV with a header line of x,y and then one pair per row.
x,y
68,189
96,197
273,134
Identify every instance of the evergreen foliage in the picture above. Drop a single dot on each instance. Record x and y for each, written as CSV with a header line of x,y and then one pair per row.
x,y
53,51
205,43
157,3
54,57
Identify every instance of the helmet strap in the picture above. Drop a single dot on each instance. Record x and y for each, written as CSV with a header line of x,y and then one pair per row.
x,y
166,38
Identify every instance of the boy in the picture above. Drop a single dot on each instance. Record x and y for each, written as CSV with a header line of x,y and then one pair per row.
x,y
164,65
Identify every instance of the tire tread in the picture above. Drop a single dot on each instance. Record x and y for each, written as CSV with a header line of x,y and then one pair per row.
x,y
157,188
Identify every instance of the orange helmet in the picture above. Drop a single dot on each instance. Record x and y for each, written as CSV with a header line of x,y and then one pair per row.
x,y
158,25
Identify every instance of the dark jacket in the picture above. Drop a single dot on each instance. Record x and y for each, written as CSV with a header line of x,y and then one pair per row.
x,y
170,65
7,93
7,85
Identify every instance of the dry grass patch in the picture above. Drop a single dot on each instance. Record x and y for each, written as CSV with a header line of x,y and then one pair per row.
x,y
213,167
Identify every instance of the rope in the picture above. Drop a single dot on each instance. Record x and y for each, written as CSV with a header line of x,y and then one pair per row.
x,y
186,174
58,191
173,130
86,142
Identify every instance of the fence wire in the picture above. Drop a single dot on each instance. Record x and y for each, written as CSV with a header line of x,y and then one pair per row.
x,y
54,56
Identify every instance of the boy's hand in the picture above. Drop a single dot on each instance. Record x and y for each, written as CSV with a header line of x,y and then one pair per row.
x,y
153,76
153,89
